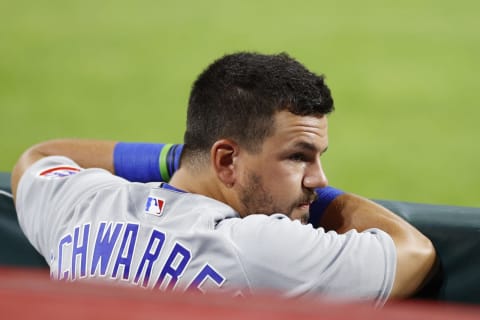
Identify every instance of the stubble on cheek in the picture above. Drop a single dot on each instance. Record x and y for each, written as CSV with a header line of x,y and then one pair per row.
x,y
256,199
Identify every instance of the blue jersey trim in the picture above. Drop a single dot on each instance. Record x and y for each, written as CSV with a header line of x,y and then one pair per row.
x,y
170,187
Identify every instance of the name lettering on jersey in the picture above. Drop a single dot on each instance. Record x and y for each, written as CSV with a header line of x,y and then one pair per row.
x,y
112,252
207,272
154,206
59,172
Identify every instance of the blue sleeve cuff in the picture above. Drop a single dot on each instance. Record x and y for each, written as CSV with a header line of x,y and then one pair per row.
x,y
137,162
325,196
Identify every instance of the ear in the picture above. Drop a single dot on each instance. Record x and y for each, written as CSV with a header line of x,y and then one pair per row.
x,y
223,154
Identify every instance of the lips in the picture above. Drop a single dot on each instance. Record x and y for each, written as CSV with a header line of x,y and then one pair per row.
x,y
305,204
306,201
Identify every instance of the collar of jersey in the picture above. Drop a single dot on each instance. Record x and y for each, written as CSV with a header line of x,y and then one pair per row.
x,y
165,185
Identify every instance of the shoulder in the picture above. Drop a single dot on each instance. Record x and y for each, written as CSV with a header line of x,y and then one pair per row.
x,y
54,182
59,171
269,238
275,235
268,226
299,259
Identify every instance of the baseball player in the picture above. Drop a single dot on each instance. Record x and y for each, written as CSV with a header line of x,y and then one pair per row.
x,y
242,213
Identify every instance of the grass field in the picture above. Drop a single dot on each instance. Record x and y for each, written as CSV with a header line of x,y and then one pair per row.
x,y
404,75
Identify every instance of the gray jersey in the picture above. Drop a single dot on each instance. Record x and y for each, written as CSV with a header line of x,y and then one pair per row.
x,y
88,223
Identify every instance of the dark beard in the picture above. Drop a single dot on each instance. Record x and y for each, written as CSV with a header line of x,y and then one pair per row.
x,y
255,199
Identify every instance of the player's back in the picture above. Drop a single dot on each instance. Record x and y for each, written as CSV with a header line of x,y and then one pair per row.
x,y
151,237
92,224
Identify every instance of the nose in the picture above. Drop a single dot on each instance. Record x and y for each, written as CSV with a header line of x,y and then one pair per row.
x,y
315,176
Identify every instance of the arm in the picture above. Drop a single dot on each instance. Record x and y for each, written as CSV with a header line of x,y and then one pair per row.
x,y
139,162
87,153
415,252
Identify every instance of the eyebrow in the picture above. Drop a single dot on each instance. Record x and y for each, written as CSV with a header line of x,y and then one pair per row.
x,y
309,146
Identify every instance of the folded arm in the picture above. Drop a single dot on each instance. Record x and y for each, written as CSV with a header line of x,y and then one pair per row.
x,y
415,252
136,162
87,153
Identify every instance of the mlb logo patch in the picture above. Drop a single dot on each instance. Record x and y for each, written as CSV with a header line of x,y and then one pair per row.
x,y
59,172
154,206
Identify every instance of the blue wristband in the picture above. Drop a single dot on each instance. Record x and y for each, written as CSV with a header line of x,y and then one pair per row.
x,y
146,162
325,196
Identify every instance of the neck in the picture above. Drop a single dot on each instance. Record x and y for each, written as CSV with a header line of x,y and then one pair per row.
x,y
203,183
206,182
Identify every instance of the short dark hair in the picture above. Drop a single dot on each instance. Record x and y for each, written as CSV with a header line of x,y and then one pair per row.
x,y
237,96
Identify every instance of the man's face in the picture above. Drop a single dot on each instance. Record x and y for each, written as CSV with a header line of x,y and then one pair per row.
x,y
281,177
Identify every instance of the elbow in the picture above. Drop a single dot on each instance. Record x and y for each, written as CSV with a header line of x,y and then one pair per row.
x,y
415,265
426,256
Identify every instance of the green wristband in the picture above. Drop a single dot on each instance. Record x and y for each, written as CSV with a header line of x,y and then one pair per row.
x,y
162,162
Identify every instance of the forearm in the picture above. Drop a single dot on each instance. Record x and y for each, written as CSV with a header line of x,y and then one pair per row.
x,y
87,153
136,162
415,252
349,211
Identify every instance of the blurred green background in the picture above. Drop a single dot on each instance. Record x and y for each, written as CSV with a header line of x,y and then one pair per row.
x,y
404,75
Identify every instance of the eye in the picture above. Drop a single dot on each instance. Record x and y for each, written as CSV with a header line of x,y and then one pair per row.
x,y
298,157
